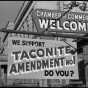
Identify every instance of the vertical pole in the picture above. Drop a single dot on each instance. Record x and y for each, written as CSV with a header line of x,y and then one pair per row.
x,y
85,55
0,77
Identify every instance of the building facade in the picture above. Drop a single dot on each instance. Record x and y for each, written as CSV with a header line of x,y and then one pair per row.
x,y
25,22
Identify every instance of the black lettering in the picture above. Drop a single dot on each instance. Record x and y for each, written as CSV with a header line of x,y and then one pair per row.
x,y
51,63
67,49
62,73
46,72
66,73
35,43
33,65
49,52
55,50
51,73
16,42
61,49
32,55
57,72
62,61
38,65
27,66
56,62
24,42
41,44
20,67
13,69
32,43
16,54
24,55
72,73
45,64
40,54
67,62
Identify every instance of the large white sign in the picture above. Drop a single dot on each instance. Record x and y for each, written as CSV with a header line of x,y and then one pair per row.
x,y
41,59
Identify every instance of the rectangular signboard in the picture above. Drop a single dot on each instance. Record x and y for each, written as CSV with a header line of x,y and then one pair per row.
x,y
41,59
70,22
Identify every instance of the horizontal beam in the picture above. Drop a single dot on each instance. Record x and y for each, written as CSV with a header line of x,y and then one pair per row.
x,y
82,32
66,35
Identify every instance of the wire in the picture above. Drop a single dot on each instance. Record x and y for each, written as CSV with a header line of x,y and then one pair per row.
x,y
69,44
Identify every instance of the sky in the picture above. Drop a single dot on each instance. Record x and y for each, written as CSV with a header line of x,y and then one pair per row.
x,y
9,11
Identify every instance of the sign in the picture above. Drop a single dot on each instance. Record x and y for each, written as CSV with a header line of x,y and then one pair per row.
x,y
41,59
71,22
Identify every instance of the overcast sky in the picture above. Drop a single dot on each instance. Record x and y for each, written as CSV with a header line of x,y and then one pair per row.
x,y
9,11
